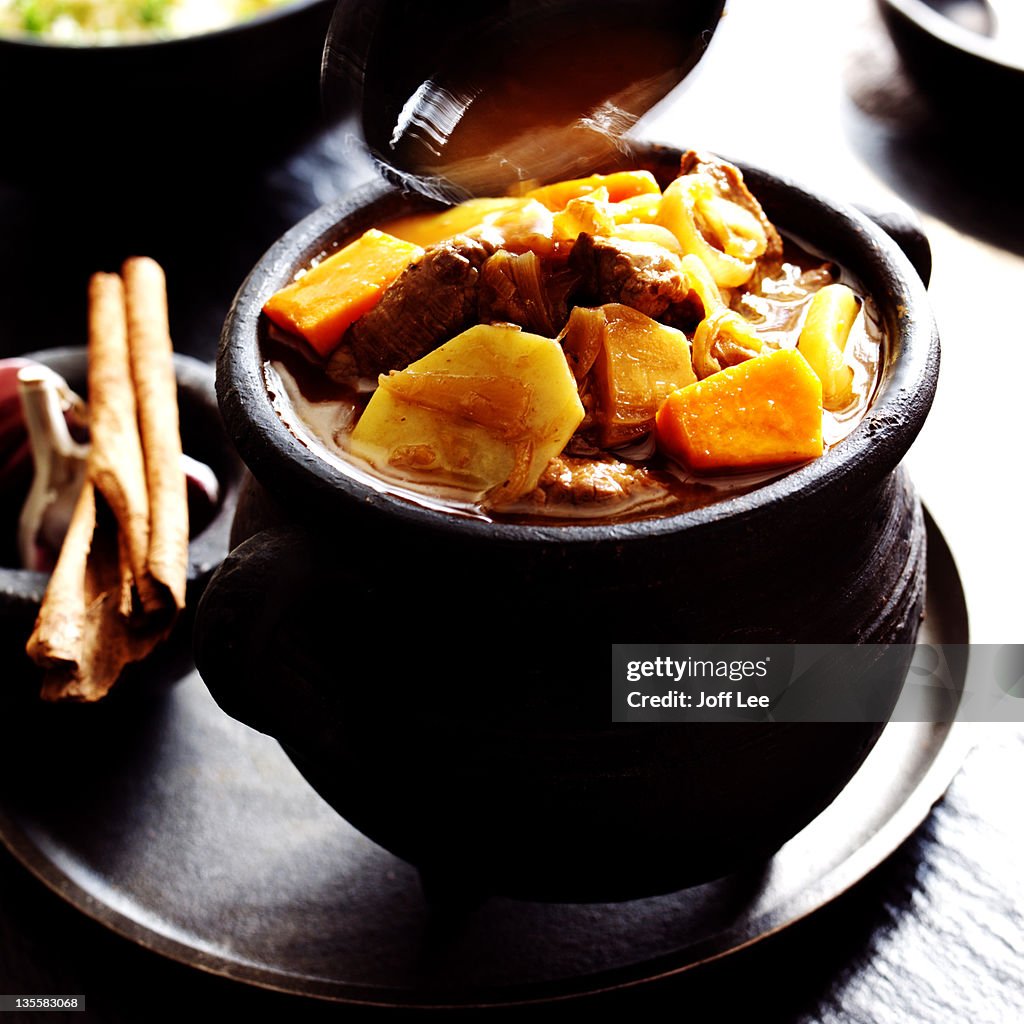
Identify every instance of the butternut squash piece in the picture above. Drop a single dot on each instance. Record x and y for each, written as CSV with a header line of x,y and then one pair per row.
x,y
429,228
823,340
620,185
638,364
512,220
484,413
321,304
763,412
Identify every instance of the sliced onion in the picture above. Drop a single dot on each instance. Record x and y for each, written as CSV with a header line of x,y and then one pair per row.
x,y
679,212
730,335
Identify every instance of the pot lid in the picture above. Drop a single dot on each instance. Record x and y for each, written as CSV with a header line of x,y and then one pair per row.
x,y
464,98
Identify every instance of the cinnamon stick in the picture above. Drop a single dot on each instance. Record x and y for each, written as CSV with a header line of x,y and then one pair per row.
x,y
115,592
58,637
150,352
116,464
107,641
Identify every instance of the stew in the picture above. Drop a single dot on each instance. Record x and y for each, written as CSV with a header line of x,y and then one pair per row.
x,y
614,346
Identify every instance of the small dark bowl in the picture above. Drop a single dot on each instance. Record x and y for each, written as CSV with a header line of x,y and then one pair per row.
x,y
21,590
444,682
950,49
150,110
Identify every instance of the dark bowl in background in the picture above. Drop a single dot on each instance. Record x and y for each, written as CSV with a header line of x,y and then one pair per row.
x,y
952,50
202,432
243,93
444,682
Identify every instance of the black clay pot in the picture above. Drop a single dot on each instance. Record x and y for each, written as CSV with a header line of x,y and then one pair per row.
x,y
202,433
444,682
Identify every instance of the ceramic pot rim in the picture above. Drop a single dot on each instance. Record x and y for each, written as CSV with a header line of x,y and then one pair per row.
x,y
873,449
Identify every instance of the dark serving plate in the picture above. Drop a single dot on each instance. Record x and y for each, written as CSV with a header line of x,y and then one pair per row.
x,y
198,840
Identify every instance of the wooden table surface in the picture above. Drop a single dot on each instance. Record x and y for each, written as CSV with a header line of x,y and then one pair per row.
x,y
810,90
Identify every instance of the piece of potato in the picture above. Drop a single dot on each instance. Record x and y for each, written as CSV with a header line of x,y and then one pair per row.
x,y
321,304
485,412
763,412
638,363
823,340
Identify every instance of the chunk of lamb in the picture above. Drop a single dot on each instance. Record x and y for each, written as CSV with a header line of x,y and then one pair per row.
x,y
432,300
568,481
638,274
730,185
